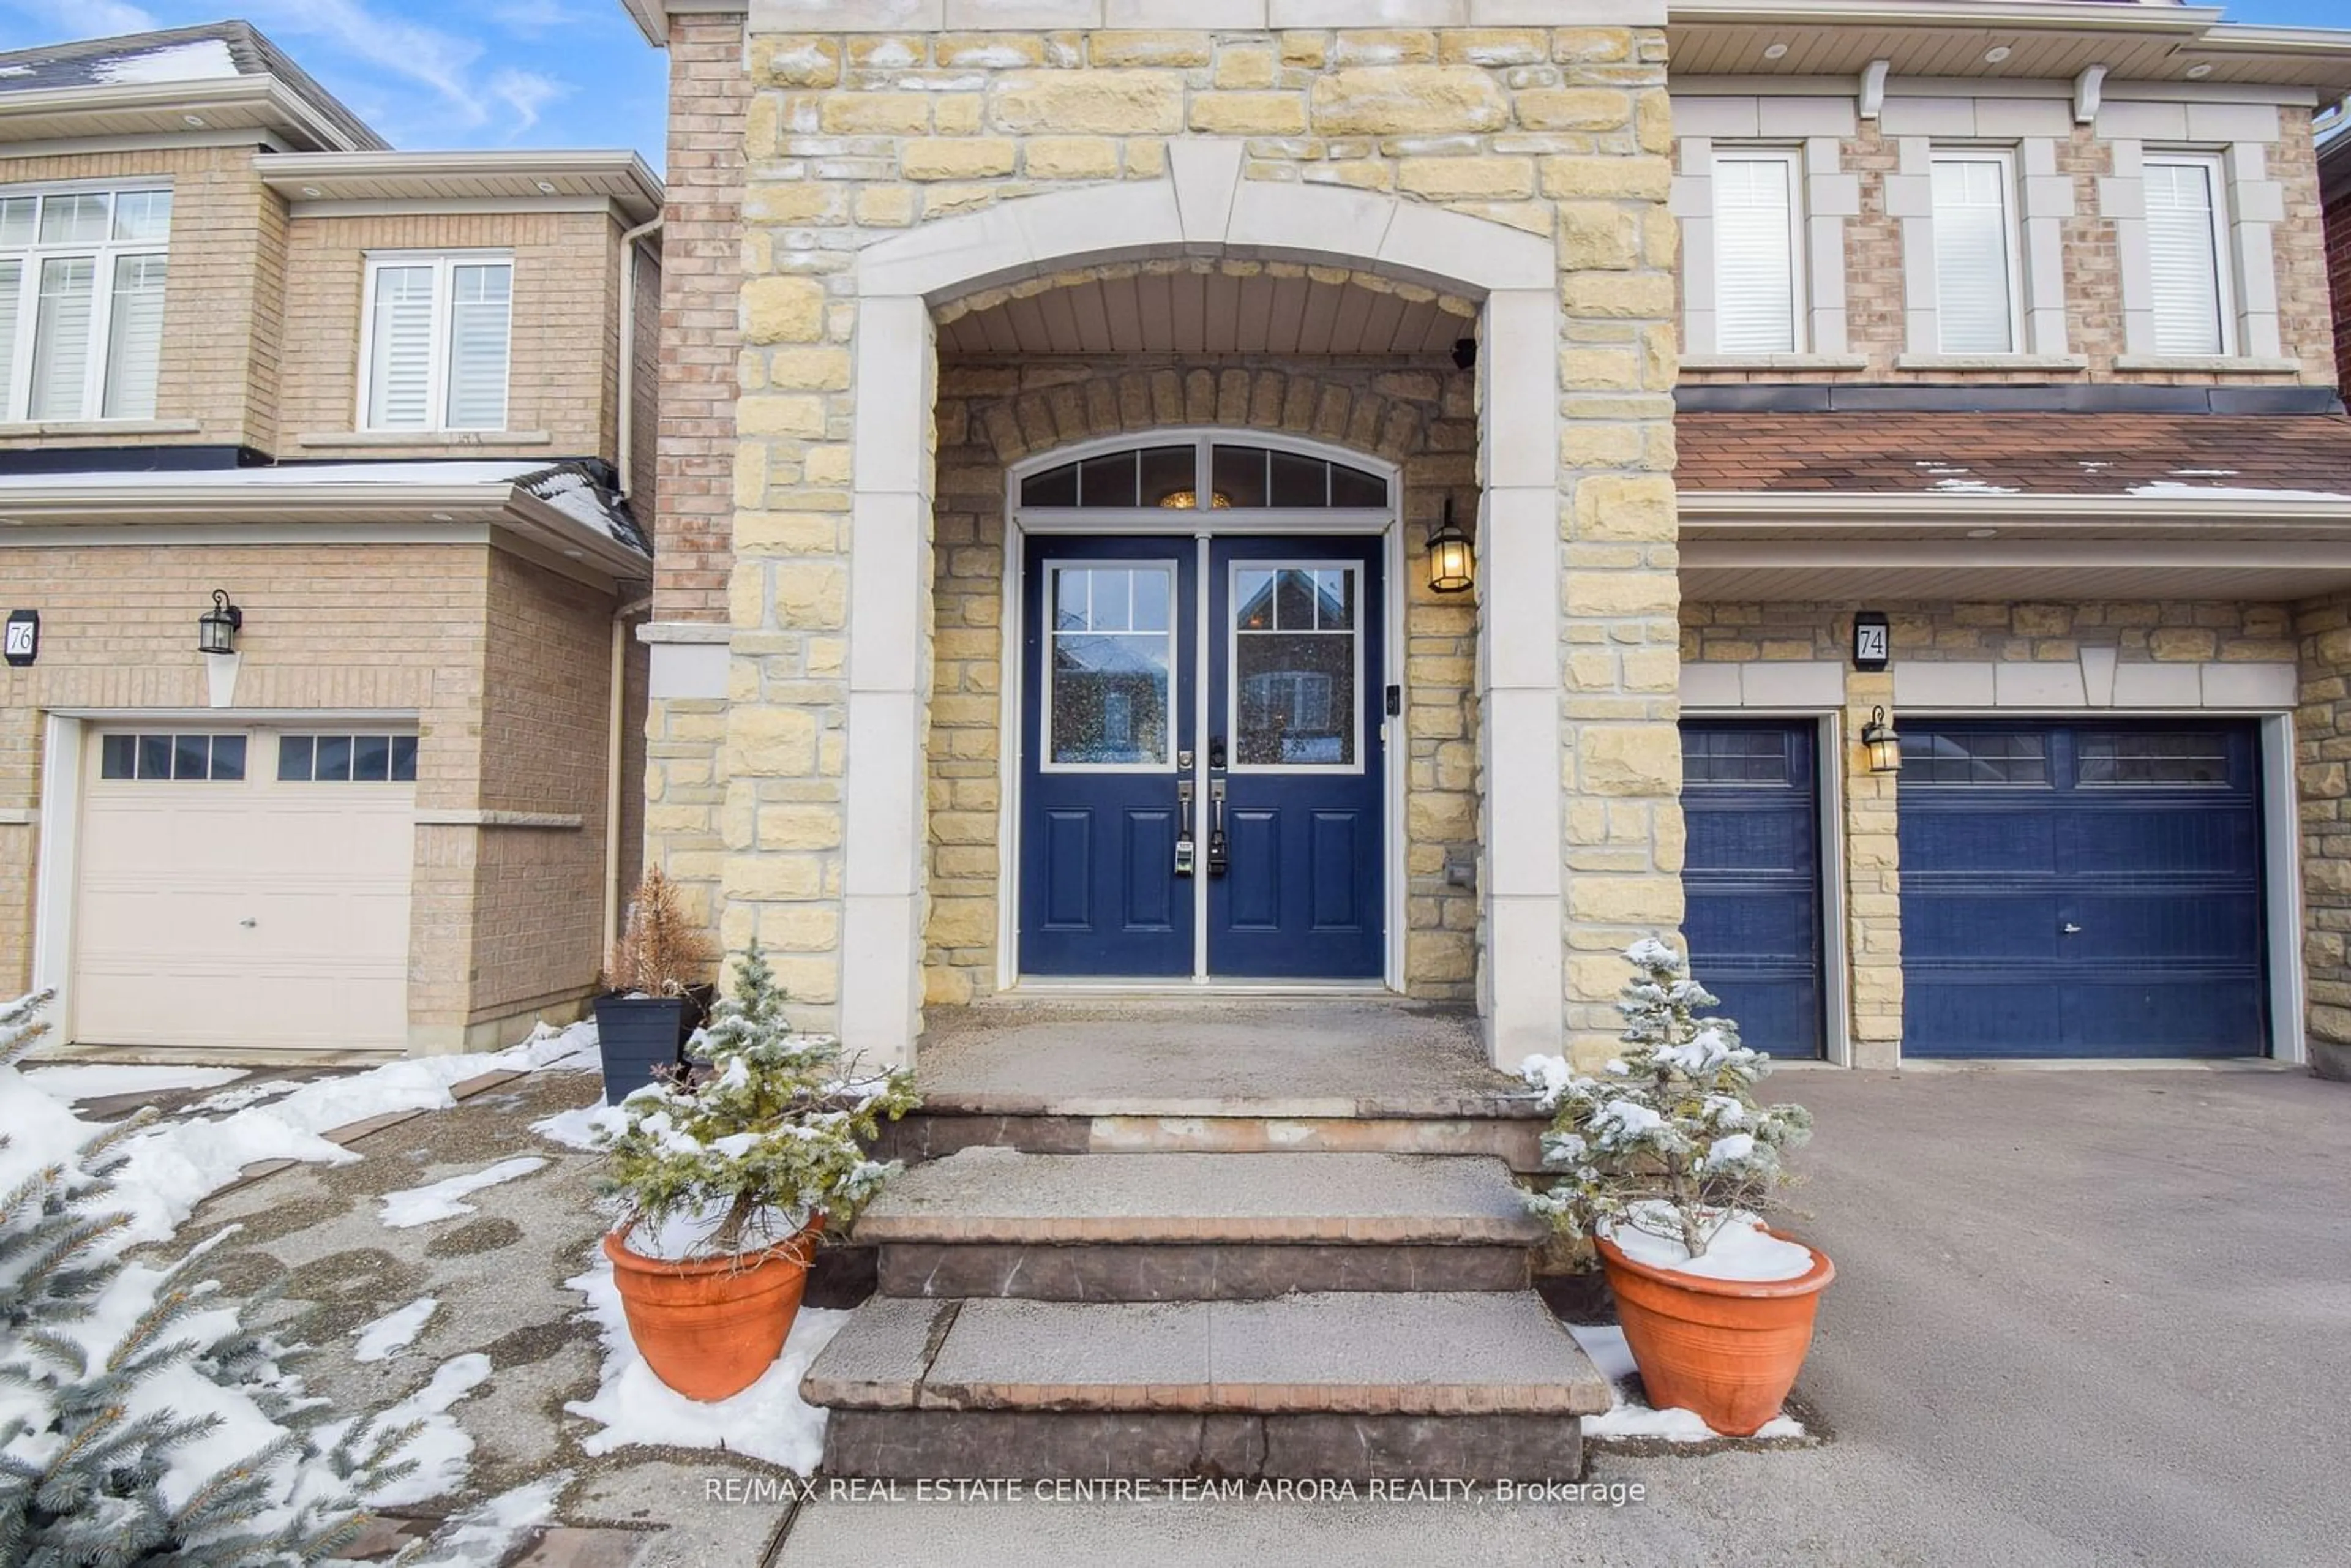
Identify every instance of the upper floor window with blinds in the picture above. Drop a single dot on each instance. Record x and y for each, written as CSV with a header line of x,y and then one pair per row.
x,y
2187,260
1976,269
81,302
1758,279
435,343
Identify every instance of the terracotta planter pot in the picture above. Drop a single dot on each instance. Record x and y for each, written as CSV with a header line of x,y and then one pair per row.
x,y
1729,1349
709,1328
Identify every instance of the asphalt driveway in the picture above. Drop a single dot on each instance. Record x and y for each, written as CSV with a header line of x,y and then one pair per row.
x,y
2080,1317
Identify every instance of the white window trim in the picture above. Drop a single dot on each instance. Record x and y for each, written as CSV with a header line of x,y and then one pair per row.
x,y
1232,634
2224,275
442,262
1798,273
2011,238
1172,636
16,393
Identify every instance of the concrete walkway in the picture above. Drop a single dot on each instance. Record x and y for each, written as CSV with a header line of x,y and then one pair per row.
x,y
2080,1317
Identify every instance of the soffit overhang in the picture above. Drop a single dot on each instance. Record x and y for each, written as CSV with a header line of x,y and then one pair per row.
x,y
2045,39
619,177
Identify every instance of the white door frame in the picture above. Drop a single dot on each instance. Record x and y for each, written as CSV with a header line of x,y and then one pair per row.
x,y
1019,522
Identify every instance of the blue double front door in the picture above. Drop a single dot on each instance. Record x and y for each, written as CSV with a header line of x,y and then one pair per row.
x,y
1202,744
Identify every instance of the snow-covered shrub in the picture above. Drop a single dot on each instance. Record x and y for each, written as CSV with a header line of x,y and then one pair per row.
x,y
772,1134
1668,1139
142,1418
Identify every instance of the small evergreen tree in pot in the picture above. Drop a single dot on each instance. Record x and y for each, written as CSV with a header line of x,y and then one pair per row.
x,y
1666,1162
654,991
727,1177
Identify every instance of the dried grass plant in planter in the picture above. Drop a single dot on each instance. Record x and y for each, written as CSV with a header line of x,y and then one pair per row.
x,y
655,989
1667,1163
728,1179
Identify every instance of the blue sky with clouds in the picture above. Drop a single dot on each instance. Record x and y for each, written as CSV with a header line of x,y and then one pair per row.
x,y
518,73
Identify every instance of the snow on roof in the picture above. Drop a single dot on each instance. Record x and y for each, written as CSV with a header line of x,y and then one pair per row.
x,y
2171,491
201,59
569,487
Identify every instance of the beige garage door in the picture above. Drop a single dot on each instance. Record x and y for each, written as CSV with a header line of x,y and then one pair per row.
x,y
244,889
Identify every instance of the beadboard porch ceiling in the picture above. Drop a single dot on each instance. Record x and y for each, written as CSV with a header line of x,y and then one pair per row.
x,y
1208,311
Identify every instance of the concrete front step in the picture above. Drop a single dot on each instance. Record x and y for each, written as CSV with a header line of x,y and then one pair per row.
x,y
1360,1386
937,1131
993,1222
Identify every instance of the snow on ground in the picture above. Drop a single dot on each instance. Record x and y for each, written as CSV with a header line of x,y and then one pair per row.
x,y
768,1420
577,1129
1629,1418
78,1080
443,1450
490,1530
238,1098
176,1165
395,1330
444,1200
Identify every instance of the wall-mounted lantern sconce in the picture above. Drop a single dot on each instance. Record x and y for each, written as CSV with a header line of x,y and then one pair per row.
x,y
217,628
1885,746
1872,641
1452,566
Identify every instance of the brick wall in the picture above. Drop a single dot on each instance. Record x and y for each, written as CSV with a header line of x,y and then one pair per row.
x,y
546,710
562,374
1876,300
216,295
702,240
2338,273
992,414
322,632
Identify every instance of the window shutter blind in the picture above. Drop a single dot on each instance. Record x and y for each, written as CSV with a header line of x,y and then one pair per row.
x,y
11,295
399,371
2183,258
61,333
479,316
137,334
1972,310
1754,259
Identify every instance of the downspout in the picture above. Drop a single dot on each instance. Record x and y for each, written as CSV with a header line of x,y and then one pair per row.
x,y
628,420
613,748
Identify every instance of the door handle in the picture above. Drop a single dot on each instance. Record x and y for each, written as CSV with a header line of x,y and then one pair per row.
x,y
2071,929
1217,859
1184,827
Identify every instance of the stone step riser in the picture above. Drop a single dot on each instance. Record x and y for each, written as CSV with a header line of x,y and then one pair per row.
x,y
931,1135
1041,1446
1190,1273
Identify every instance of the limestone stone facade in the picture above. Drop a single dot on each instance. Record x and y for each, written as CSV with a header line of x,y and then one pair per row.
x,y
2323,759
1520,170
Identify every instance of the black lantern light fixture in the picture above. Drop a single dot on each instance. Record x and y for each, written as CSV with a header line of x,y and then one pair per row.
x,y
1452,566
217,628
1885,746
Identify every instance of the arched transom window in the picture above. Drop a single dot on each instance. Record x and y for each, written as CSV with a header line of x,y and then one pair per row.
x,y
1237,475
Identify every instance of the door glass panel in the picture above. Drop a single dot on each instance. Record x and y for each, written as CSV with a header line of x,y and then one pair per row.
x,y
1294,667
1112,647
1169,477
1107,481
1301,481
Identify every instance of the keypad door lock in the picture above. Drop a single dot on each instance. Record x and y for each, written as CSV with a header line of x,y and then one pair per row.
x,y
1184,822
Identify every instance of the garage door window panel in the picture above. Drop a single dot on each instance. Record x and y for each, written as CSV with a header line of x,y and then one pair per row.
x,y
2155,759
149,758
347,759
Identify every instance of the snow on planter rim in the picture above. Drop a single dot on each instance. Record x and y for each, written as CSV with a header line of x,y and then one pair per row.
x,y
1741,1250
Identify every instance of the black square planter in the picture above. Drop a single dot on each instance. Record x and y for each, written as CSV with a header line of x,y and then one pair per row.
x,y
639,1035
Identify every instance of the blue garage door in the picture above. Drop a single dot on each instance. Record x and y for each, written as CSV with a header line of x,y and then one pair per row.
x,y
1751,798
2082,890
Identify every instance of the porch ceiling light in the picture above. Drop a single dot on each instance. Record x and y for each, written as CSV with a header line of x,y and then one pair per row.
x,y
1452,565
1885,746
1189,501
217,628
